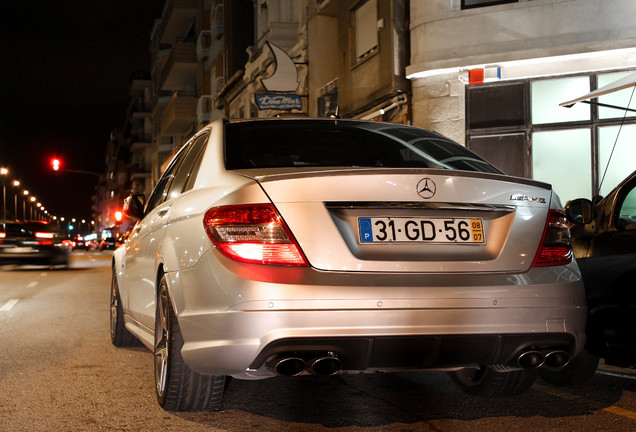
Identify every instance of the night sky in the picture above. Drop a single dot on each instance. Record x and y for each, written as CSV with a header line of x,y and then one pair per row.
x,y
65,68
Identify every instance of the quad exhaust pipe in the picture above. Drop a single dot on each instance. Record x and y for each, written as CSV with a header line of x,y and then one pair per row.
x,y
287,366
328,364
553,360
323,364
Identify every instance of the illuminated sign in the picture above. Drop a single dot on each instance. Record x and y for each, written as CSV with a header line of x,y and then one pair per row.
x,y
278,101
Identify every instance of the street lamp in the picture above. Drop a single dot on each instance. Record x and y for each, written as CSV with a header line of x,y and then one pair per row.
x,y
32,199
25,193
3,175
15,183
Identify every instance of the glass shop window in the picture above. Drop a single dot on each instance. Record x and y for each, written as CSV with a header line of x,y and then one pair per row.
x,y
563,158
546,95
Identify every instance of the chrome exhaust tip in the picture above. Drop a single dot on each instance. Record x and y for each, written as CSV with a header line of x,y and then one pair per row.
x,y
556,360
287,366
530,359
328,364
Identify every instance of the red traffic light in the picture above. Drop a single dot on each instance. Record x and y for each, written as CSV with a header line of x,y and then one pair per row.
x,y
55,163
119,216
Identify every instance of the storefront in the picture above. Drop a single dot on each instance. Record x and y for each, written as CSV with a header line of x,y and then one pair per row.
x,y
512,116
521,127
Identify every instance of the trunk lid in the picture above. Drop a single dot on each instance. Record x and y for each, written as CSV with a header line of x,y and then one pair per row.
x,y
374,220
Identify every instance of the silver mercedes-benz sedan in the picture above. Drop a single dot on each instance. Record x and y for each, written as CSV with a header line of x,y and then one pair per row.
x,y
324,246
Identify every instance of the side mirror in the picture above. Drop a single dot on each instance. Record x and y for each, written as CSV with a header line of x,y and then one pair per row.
x,y
579,211
134,206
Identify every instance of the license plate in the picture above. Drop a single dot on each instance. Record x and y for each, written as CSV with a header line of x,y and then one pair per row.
x,y
421,230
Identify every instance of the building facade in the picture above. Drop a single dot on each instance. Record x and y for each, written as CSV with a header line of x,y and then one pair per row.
x,y
491,75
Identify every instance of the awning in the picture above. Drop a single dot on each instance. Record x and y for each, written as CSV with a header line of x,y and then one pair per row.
x,y
623,83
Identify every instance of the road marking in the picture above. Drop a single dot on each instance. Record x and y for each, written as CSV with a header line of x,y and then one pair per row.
x,y
9,305
587,402
32,284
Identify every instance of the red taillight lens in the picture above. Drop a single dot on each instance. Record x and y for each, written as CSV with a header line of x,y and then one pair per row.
x,y
44,235
3,235
556,243
253,234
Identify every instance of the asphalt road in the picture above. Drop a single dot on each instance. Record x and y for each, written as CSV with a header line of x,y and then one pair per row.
x,y
59,372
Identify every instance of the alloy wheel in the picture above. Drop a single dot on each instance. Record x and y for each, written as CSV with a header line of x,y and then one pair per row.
x,y
162,342
114,306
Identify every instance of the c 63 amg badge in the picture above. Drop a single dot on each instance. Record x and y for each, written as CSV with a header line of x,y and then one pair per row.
x,y
519,197
426,188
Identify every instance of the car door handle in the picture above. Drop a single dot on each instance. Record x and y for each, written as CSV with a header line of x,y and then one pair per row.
x,y
163,211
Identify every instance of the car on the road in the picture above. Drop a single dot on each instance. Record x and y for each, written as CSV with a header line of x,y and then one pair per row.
x,y
33,242
324,246
79,243
108,243
604,244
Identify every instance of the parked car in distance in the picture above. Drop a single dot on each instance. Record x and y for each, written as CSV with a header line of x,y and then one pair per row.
x,y
79,243
108,243
324,246
33,242
604,243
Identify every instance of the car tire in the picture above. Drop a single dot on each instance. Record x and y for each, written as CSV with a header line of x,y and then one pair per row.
x,y
486,381
119,334
178,387
579,370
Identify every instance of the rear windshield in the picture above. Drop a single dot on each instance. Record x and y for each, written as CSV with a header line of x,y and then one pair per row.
x,y
338,143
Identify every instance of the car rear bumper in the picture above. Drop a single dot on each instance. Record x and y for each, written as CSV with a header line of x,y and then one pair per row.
x,y
234,318
35,256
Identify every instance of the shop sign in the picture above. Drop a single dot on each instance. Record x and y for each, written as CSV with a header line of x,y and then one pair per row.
x,y
279,101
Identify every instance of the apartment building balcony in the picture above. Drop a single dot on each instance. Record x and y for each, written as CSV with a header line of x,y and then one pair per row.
x,y
180,114
176,19
180,69
140,143
139,81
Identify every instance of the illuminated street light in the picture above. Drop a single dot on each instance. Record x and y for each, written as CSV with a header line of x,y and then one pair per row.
x,y
25,193
32,199
15,184
3,173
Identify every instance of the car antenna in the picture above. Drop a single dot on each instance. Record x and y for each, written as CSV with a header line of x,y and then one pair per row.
x,y
335,114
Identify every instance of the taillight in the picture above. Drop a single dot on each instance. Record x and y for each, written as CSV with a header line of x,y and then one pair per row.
x,y
556,243
253,234
3,235
44,235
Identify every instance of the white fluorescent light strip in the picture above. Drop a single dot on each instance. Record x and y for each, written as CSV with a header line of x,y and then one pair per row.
x,y
525,62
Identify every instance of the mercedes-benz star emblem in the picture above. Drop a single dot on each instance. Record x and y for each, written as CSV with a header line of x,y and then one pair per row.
x,y
426,188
